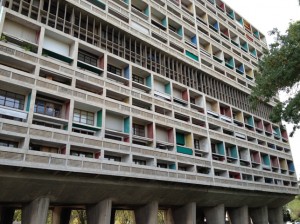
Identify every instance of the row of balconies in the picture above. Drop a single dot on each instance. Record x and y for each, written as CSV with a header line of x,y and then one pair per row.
x,y
38,147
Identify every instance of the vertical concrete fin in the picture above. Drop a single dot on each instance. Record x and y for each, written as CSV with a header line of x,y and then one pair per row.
x,y
185,214
215,215
239,215
36,211
100,213
259,215
147,214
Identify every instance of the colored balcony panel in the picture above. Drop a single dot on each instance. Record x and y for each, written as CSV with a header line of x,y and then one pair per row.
x,y
191,55
140,8
98,3
266,162
291,166
220,5
230,13
56,56
158,19
184,150
218,54
213,24
229,61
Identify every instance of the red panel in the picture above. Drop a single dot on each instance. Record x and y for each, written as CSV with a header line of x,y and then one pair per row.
x,y
150,130
185,95
171,136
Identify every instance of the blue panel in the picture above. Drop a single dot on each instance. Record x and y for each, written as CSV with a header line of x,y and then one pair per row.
x,y
164,22
172,166
127,72
149,81
194,40
146,11
216,25
28,102
127,124
168,88
221,149
179,31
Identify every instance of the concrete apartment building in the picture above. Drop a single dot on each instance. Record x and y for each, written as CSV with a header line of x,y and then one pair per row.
x,y
139,105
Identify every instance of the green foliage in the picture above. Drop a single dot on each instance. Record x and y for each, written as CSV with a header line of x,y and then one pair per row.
x,y
294,208
279,70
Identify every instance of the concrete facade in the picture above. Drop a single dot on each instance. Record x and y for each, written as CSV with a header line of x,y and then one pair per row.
x,y
137,105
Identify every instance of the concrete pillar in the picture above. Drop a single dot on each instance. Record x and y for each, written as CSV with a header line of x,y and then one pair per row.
x,y
185,214
99,213
36,211
215,215
275,215
61,215
239,215
259,215
7,215
147,214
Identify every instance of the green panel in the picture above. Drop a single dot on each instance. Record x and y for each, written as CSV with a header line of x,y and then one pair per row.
x,y
65,127
256,34
89,67
127,124
230,63
98,3
28,102
266,160
164,22
184,150
250,121
231,14
57,56
221,149
180,139
85,127
179,31
168,88
241,21
149,81
99,118
191,55
233,152
146,11
126,1
244,47
172,166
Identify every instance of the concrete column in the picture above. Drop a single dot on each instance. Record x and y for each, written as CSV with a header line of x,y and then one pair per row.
x,y
185,214
99,213
259,215
36,211
275,215
61,215
215,215
239,215
147,214
7,215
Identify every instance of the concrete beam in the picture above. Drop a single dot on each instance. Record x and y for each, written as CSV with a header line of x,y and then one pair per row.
x,y
7,215
259,215
147,214
215,215
61,215
275,215
239,215
99,213
185,214
36,211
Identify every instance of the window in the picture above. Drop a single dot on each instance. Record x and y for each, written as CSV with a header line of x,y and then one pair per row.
x,y
81,154
82,131
87,58
8,143
46,124
83,117
137,79
13,100
138,130
113,69
197,144
162,165
113,158
139,162
47,108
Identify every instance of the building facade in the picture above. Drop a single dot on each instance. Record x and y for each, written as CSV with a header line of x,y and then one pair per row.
x,y
140,105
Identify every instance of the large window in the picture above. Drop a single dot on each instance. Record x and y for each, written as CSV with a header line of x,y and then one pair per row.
x,y
138,130
87,58
83,117
137,79
197,144
8,143
47,108
13,100
113,69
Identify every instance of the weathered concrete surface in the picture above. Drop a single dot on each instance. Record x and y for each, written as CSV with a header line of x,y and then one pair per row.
x,y
259,215
275,215
100,213
185,214
36,211
215,215
147,214
239,215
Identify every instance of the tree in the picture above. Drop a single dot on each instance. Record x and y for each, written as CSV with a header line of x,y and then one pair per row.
x,y
279,70
294,208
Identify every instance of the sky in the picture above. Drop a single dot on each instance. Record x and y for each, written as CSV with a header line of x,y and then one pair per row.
x,y
266,15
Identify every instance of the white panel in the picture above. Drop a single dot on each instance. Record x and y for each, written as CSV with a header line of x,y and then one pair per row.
x,y
161,134
20,31
158,86
114,122
177,93
208,105
56,46
140,28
